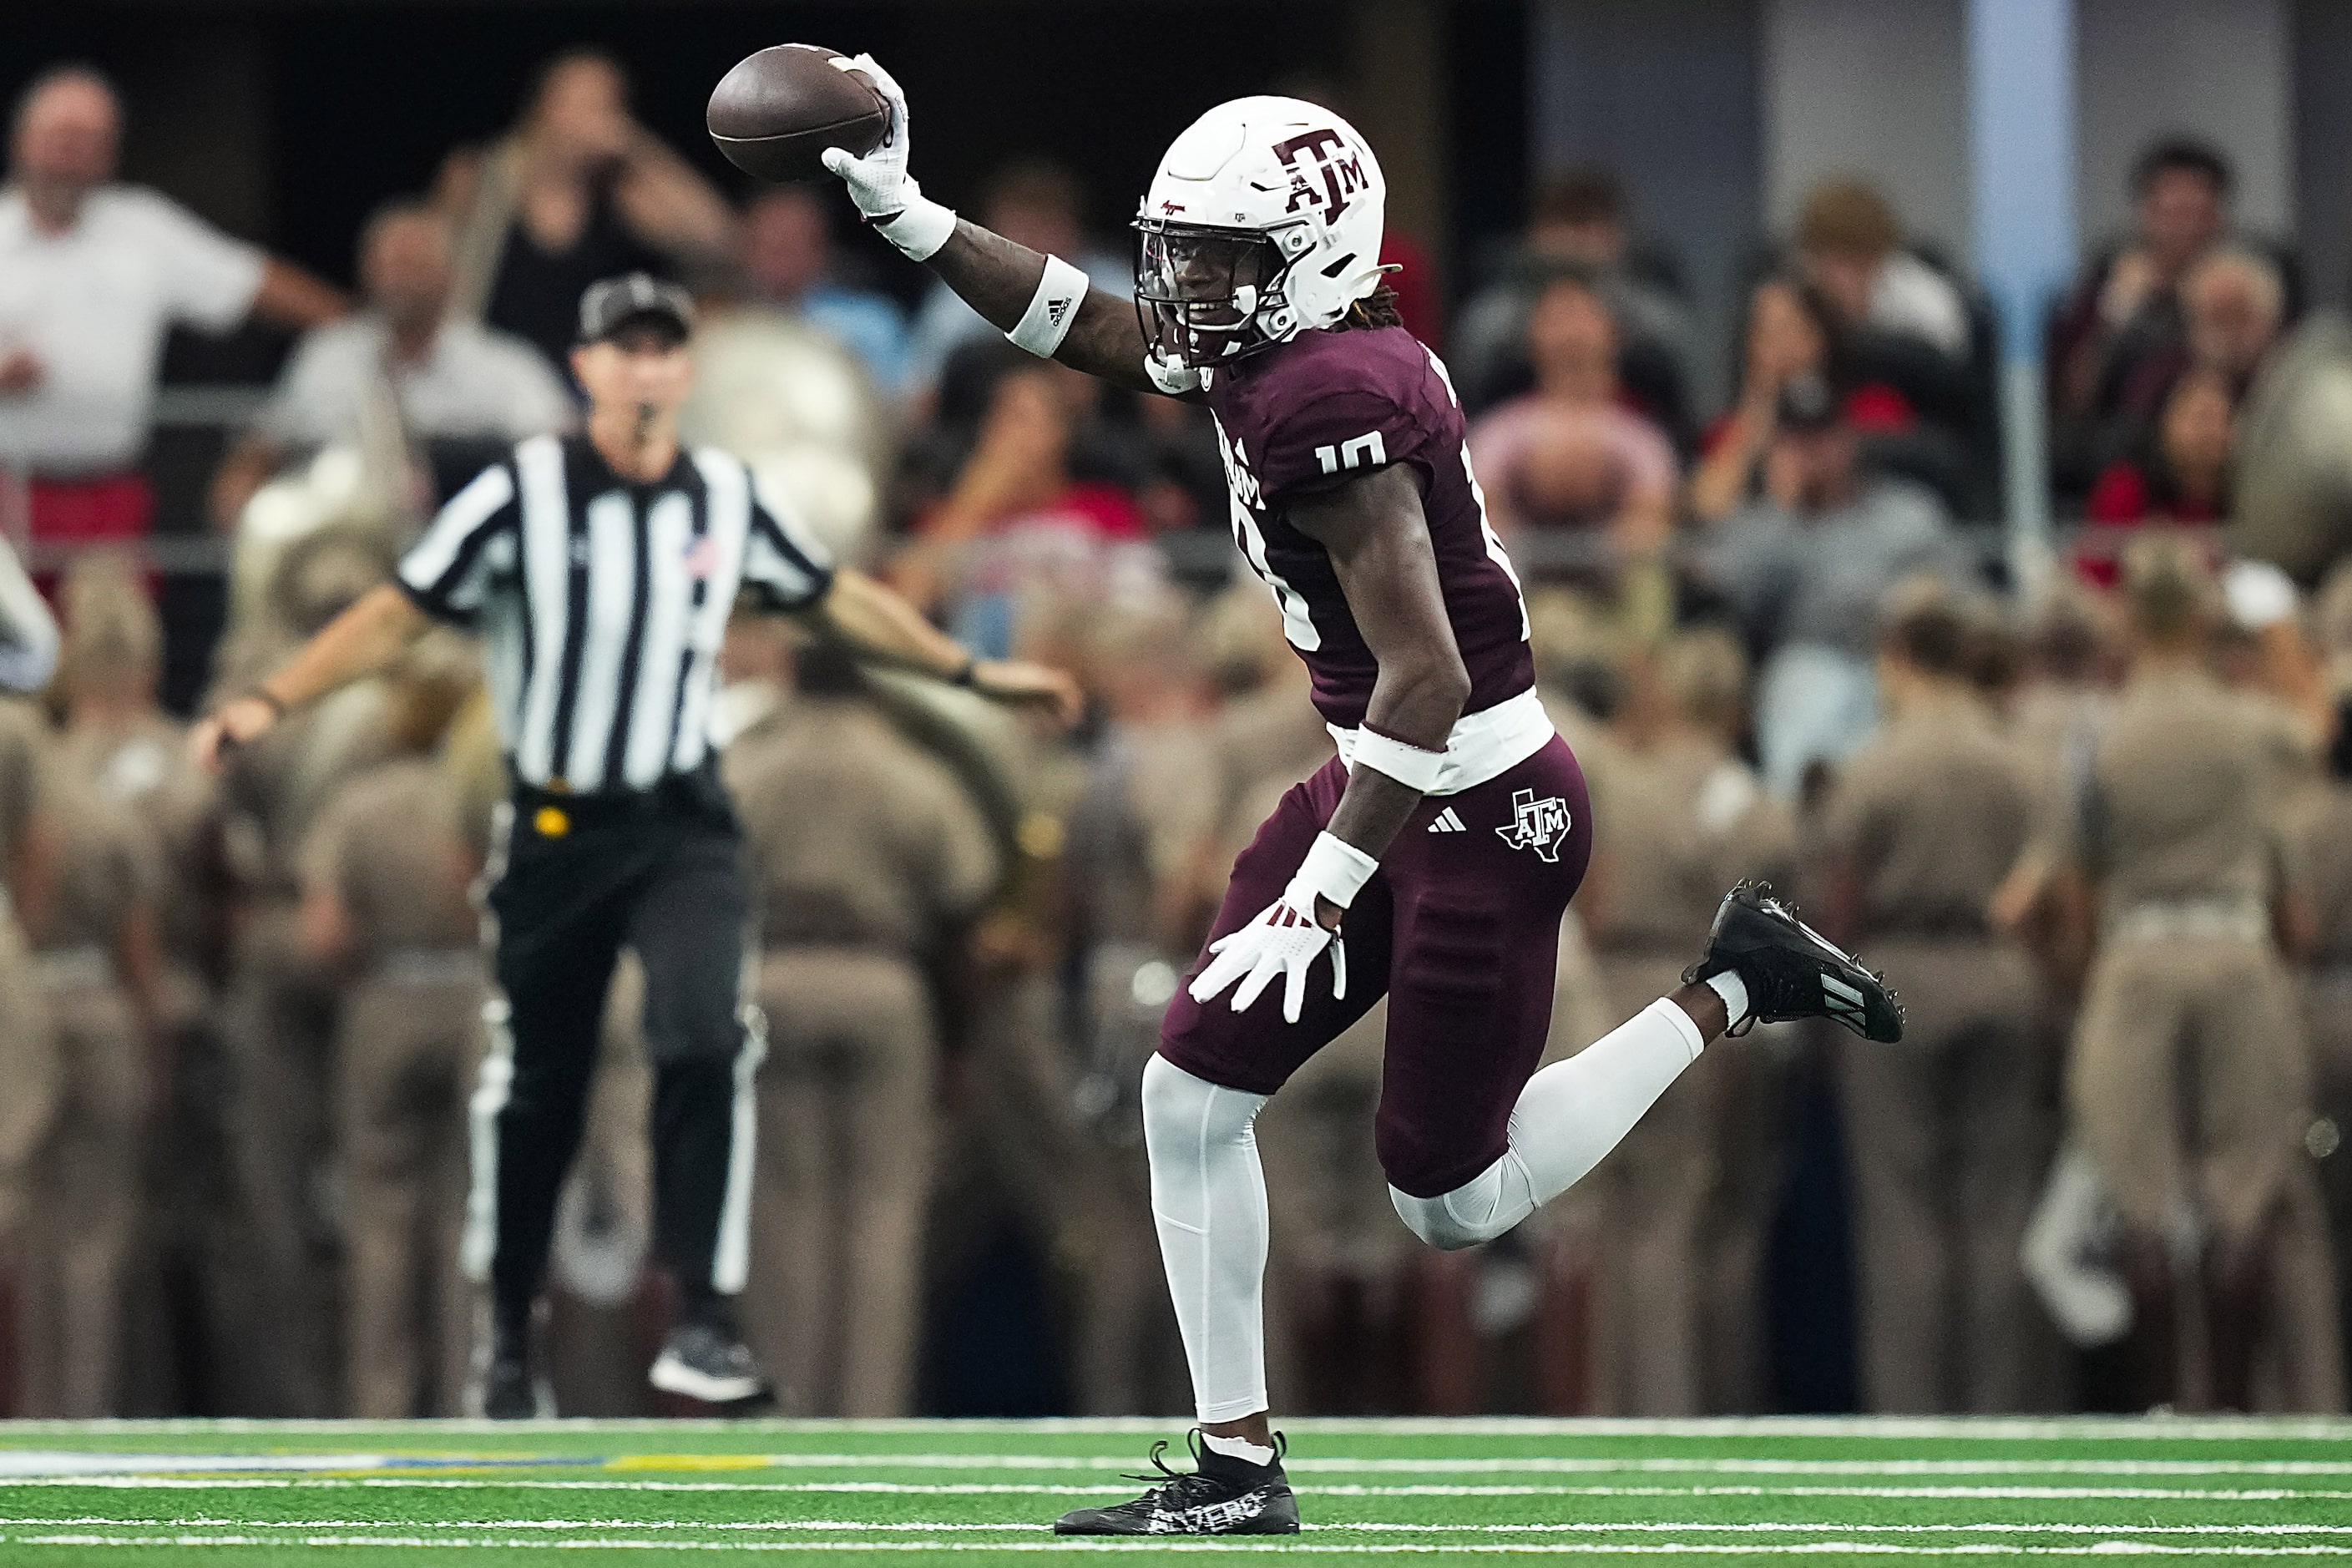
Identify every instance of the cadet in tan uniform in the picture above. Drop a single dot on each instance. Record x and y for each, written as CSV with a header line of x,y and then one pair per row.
x,y
2074,662
97,952
868,857
2189,1081
1949,1131
273,1265
386,870
28,1058
1680,1241
118,734
123,747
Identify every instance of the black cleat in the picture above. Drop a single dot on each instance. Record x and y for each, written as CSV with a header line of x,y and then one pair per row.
x,y
704,1362
510,1386
1790,969
1224,1496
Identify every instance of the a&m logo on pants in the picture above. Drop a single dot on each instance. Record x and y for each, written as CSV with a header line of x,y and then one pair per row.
x,y
1536,824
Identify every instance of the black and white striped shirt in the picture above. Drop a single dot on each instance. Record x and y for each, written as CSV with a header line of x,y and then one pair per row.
x,y
603,602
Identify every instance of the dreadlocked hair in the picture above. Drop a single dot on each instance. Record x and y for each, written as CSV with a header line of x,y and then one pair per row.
x,y
1377,309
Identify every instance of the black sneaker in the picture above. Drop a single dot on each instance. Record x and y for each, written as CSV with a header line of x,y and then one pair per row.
x,y
1790,969
1224,1496
511,1385
705,1362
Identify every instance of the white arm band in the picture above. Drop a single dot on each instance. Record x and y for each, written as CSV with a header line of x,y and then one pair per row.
x,y
920,228
1052,309
1335,869
1412,767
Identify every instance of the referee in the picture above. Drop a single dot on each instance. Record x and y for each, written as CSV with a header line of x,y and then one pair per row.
x,y
599,571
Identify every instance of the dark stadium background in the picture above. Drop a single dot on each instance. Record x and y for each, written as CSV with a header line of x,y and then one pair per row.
x,y
287,122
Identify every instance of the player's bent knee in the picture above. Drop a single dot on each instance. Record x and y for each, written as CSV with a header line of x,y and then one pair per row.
x,y
1432,1220
1479,1210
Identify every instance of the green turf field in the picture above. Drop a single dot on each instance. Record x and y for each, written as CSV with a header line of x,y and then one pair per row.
x,y
656,1493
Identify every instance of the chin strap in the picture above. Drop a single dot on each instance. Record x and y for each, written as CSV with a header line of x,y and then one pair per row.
x,y
1172,377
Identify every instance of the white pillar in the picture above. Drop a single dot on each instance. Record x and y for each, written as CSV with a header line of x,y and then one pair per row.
x,y
2022,176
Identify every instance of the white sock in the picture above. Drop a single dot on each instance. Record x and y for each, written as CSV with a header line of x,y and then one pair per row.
x,y
1238,1448
1207,1202
1569,1115
1733,991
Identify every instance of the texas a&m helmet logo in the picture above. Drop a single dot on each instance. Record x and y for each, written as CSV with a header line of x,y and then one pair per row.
x,y
1538,825
1326,153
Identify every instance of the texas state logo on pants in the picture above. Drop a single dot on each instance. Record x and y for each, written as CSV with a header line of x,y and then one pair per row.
x,y
1541,825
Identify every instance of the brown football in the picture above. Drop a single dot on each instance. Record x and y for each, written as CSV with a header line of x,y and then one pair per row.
x,y
777,111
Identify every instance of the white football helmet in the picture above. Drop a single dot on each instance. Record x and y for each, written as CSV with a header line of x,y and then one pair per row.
x,y
1264,221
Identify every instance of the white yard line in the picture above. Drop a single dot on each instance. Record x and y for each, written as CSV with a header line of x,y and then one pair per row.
x,y
2114,1544
975,1488
918,1527
1533,1464
15,1462
2092,1428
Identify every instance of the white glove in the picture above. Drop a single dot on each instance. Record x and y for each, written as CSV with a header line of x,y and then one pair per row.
x,y
1286,936
879,183
1281,941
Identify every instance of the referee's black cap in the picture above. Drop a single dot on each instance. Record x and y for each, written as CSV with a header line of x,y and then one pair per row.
x,y
613,303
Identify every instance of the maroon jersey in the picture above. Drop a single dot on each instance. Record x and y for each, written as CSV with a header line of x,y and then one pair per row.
x,y
1320,410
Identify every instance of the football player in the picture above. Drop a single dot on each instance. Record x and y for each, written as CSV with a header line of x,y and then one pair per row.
x,y
1432,860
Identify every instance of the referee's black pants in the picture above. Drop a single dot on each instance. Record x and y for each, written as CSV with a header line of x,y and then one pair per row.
x,y
661,872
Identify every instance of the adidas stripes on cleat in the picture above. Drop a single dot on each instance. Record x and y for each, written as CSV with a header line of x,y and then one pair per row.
x,y
1790,969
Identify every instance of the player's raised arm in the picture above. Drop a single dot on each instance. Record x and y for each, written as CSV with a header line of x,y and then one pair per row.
x,y
1042,302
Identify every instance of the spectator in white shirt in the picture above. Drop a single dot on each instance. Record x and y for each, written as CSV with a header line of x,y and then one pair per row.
x,y
92,275
443,379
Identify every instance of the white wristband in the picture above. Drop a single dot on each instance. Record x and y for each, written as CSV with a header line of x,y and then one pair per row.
x,y
1334,868
1052,309
920,228
1414,767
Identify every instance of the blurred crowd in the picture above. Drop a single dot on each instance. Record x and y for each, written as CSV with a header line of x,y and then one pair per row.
x,y
2096,826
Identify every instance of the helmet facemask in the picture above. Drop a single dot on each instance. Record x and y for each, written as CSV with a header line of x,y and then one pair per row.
x,y
1205,295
